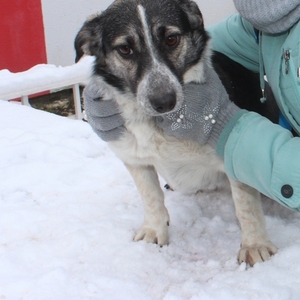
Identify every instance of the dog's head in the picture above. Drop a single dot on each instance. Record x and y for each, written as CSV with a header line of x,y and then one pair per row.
x,y
145,48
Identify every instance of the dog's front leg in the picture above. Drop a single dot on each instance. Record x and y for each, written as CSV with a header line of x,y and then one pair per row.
x,y
255,246
155,226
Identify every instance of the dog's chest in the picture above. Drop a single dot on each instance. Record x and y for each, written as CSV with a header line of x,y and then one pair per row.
x,y
185,165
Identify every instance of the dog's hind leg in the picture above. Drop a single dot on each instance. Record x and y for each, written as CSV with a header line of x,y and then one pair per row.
x,y
255,246
156,222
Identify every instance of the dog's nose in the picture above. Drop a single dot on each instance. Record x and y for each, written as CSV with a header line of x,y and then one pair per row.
x,y
164,103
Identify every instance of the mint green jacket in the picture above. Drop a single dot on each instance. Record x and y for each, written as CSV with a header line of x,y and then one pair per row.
x,y
256,151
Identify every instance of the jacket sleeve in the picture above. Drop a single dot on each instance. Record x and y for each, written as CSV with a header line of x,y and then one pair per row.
x,y
236,38
263,155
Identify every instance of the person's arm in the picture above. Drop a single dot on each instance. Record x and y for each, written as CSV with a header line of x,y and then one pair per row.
x,y
263,155
236,38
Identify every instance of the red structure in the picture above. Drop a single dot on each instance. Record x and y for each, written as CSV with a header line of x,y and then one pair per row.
x,y
22,39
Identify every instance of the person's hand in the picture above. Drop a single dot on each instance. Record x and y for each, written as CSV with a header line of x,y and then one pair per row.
x,y
205,112
103,115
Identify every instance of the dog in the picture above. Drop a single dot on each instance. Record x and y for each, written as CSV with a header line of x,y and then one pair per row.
x,y
144,52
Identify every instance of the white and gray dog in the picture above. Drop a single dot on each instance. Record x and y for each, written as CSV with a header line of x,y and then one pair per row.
x,y
145,51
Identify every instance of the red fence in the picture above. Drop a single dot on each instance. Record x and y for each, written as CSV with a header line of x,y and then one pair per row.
x,y
22,40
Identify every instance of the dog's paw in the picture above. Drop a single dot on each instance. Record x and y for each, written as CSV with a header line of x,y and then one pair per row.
x,y
150,234
257,253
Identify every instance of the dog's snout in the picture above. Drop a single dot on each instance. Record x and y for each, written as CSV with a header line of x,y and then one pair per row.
x,y
164,103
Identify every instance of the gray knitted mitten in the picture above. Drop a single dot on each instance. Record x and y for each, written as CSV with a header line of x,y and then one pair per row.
x,y
103,115
270,16
204,114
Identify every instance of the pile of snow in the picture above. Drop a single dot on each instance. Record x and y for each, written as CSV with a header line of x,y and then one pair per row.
x,y
69,210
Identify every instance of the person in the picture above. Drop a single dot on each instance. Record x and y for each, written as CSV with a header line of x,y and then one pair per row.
x,y
256,152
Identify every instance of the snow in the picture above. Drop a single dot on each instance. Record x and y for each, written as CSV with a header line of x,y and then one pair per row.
x,y
69,210
43,77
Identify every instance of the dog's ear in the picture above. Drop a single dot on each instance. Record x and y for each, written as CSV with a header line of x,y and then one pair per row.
x,y
193,14
89,39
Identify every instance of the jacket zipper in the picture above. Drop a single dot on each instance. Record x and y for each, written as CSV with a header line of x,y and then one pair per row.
x,y
287,56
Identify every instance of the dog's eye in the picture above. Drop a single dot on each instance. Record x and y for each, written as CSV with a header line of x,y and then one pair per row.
x,y
125,50
172,40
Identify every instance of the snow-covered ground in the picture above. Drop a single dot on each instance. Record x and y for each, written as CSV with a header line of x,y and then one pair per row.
x,y
69,210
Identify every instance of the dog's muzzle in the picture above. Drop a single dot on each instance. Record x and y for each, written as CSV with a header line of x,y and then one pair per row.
x,y
159,91
164,103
